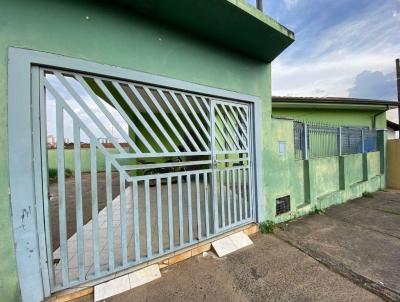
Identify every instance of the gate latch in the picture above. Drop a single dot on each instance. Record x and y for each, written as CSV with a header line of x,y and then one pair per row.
x,y
214,160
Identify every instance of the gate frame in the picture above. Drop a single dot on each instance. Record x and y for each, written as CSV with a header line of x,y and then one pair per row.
x,y
25,155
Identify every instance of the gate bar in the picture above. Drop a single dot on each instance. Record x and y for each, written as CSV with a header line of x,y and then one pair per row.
x,y
100,104
180,211
136,219
148,218
110,234
78,201
122,213
206,209
95,210
189,205
234,195
88,111
221,181
154,118
183,111
239,171
62,213
166,118
170,215
121,111
139,115
199,235
159,218
177,118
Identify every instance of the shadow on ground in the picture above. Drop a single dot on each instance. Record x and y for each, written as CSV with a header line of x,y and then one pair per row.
x,y
360,239
271,270
362,236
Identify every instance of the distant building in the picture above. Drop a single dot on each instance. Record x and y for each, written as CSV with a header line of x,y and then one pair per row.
x,y
392,130
51,141
104,140
392,124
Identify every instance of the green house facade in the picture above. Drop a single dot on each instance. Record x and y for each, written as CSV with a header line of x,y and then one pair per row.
x,y
331,173
135,129
207,54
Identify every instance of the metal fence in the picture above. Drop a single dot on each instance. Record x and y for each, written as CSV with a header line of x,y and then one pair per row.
x,y
316,140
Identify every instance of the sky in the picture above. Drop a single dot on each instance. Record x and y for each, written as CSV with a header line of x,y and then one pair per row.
x,y
344,48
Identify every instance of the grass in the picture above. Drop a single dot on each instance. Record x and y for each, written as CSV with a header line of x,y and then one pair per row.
x,y
53,173
368,195
317,211
267,227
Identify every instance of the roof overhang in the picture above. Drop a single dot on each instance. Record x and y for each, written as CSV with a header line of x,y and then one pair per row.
x,y
230,23
332,103
392,125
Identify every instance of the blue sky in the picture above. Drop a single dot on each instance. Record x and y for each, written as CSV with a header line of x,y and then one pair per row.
x,y
343,48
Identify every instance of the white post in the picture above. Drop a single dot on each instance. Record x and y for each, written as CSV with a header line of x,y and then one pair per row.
x,y
305,141
362,141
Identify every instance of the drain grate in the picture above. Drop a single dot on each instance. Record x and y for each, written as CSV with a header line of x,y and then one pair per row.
x,y
283,205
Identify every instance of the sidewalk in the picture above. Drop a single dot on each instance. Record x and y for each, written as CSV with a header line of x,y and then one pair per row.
x,y
359,240
271,270
349,253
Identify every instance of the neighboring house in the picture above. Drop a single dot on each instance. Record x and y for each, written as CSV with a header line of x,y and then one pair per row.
x,y
393,120
161,138
332,110
392,130
335,151
185,84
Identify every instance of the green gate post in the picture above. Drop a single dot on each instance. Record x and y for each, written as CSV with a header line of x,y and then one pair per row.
x,y
382,148
343,182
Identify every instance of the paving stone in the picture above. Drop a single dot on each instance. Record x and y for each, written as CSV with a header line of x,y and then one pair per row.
x,y
231,243
111,288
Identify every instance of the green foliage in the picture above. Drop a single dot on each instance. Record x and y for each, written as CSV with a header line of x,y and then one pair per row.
x,y
53,173
68,172
267,227
368,195
317,211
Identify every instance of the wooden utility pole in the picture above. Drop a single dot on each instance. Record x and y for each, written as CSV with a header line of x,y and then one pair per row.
x,y
398,86
398,83
260,5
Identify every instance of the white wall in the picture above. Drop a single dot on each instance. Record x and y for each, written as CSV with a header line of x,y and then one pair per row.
x,y
392,116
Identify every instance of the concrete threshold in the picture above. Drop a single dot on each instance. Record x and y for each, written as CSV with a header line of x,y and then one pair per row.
x,y
231,244
122,284
163,262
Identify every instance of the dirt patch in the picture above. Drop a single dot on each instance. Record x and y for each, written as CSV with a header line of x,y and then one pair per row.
x,y
70,202
271,270
359,239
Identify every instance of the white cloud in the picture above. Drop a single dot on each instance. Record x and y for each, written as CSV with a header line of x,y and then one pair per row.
x,y
291,3
369,41
332,75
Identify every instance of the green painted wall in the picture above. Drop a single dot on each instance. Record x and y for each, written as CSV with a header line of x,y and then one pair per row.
x,y
373,164
334,116
319,182
326,173
85,159
105,33
355,173
287,173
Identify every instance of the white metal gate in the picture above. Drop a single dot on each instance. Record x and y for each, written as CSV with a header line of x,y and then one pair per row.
x,y
135,171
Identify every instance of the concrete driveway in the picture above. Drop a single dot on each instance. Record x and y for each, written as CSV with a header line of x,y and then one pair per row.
x,y
349,253
359,240
271,270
